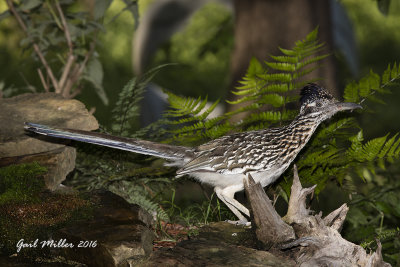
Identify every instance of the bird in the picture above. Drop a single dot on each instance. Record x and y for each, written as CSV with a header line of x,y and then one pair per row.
x,y
225,162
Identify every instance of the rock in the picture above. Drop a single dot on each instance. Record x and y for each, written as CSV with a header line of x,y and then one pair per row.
x,y
49,109
229,233
59,162
117,229
56,262
204,252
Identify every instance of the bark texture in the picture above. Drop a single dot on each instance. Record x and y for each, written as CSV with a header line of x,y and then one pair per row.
x,y
270,228
318,242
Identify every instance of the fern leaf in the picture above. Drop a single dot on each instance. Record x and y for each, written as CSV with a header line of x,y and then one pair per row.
x,y
127,106
309,61
132,194
351,93
394,74
274,88
274,99
372,148
395,146
282,66
276,77
367,86
283,59
356,146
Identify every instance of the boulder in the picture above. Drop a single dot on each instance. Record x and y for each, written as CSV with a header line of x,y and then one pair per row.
x,y
17,146
117,233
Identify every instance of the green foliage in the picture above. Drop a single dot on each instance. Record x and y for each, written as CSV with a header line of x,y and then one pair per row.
x,y
337,151
21,183
187,120
135,194
202,48
263,87
370,84
138,179
374,214
197,213
61,36
127,109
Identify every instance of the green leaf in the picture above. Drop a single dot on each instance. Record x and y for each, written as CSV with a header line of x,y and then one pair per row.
x,y
100,8
274,99
27,5
351,93
255,68
289,67
94,74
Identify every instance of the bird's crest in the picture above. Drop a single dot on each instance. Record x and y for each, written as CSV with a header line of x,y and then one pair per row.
x,y
312,92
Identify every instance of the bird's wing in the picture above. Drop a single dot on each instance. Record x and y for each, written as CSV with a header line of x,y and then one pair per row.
x,y
231,154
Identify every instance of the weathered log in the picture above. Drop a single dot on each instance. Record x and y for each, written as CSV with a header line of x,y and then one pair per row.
x,y
271,230
318,238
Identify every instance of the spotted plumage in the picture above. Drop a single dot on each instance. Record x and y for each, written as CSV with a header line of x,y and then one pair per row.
x,y
224,162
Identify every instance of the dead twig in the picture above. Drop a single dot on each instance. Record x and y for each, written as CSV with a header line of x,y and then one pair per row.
x,y
71,58
77,72
44,83
35,46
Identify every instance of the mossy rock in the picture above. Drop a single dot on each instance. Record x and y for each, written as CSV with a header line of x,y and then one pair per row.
x,y
21,183
28,211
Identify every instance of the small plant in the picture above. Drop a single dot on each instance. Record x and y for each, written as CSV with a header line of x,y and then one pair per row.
x,y
21,183
63,42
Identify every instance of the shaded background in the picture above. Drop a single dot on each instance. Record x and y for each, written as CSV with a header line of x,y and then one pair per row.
x,y
215,45
204,49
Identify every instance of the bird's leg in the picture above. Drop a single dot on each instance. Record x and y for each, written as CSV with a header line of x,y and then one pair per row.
x,y
242,219
227,196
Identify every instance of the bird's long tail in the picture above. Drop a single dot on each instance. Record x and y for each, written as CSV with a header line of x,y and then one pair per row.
x,y
174,153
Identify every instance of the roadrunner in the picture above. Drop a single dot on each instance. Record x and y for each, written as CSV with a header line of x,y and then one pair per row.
x,y
223,163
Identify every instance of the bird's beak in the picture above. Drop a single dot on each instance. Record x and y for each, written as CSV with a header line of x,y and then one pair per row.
x,y
347,106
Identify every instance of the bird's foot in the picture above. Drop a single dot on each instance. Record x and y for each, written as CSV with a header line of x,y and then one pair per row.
x,y
239,222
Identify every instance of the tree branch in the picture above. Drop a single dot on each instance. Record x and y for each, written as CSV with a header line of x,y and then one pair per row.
x,y
44,83
65,28
71,57
35,46
77,72
66,72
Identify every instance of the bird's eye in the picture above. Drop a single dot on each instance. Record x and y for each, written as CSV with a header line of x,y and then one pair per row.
x,y
319,104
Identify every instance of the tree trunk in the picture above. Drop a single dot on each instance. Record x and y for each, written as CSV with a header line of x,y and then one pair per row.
x,y
262,26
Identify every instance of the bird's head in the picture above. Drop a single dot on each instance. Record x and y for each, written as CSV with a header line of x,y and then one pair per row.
x,y
318,102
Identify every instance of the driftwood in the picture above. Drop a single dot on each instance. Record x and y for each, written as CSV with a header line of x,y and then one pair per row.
x,y
310,239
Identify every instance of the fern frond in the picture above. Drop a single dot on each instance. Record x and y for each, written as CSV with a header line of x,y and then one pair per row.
x,y
135,194
270,84
127,106
188,118
367,86
356,146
